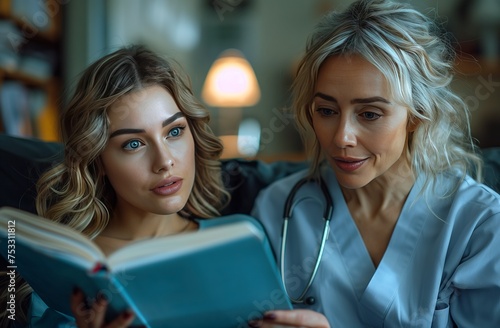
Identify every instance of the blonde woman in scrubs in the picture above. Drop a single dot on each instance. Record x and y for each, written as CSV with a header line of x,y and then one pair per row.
x,y
414,239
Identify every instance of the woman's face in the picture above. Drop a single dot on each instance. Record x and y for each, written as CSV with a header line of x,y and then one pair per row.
x,y
150,156
360,127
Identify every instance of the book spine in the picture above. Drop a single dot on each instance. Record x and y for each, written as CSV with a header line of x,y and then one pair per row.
x,y
139,317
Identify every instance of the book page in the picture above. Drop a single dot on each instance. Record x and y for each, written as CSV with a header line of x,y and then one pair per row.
x,y
49,236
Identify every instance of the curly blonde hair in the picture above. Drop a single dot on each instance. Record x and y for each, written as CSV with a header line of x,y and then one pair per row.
x,y
76,192
417,61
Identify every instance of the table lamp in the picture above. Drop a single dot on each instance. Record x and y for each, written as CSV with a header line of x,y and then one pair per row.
x,y
230,85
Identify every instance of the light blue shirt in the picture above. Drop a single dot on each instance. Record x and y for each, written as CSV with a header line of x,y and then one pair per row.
x,y
440,269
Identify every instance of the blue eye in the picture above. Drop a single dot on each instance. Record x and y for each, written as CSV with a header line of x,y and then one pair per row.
x,y
325,111
371,116
132,145
175,132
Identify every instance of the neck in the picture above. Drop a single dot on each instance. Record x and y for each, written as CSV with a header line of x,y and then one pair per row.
x,y
130,226
386,192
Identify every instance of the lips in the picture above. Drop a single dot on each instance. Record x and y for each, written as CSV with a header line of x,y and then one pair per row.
x,y
168,186
349,164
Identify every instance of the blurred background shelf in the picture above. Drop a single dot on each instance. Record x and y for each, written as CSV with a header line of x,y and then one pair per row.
x,y
25,78
30,64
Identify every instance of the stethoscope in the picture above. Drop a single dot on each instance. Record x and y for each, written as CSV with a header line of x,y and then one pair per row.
x,y
327,215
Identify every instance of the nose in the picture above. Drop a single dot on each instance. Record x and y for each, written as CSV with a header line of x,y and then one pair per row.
x,y
345,134
162,159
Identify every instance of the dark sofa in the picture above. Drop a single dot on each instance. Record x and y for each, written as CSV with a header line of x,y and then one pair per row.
x,y
22,160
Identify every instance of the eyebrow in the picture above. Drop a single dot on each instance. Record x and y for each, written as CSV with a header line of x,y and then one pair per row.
x,y
353,101
132,131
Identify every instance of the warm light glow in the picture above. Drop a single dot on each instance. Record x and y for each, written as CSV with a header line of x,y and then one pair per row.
x,y
231,82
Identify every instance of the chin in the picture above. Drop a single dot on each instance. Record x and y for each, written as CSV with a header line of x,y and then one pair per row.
x,y
351,183
172,206
173,209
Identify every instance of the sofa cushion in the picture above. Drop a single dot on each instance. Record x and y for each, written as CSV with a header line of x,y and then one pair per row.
x,y
245,178
22,161
491,168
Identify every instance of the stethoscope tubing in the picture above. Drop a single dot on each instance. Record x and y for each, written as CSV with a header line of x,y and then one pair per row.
x,y
327,215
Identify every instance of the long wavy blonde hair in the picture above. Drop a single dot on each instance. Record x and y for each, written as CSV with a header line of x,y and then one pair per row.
x,y
76,192
416,59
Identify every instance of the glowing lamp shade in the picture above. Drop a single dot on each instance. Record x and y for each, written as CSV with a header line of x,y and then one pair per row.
x,y
231,82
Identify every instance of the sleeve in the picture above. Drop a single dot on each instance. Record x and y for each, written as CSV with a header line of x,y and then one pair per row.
x,y
269,206
262,210
41,316
476,298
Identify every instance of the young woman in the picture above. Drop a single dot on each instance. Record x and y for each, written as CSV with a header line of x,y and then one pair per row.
x,y
413,240
140,162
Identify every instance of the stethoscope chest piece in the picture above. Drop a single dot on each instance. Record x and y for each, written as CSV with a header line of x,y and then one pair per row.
x,y
310,300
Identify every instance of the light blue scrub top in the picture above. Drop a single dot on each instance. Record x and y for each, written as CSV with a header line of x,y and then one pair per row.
x,y
441,267
42,316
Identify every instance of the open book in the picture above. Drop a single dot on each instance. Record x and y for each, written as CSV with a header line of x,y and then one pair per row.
x,y
220,276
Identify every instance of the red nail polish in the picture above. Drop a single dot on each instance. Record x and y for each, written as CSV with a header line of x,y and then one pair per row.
x,y
270,316
102,297
127,315
254,323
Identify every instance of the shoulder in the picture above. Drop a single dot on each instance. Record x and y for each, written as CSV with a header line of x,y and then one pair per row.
x,y
465,204
478,196
464,193
281,188
271,201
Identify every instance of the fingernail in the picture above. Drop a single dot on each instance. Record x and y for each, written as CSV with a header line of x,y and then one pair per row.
x,y
254,323
102,297
127,314
269,316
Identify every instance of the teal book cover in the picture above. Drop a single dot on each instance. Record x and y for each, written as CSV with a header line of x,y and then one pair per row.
x,y
221,276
